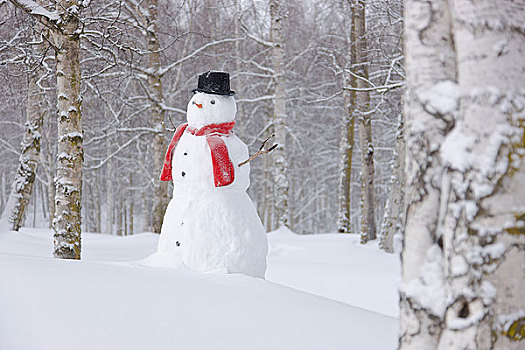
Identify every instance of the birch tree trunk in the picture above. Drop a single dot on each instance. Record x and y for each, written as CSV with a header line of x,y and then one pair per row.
x,y
484,224
464,254
68,184
2,194
157,114
119,211
131,206
144,209
279,161
394,217
110,193
346,147
430,70
14,211
96,205
50,196
368,226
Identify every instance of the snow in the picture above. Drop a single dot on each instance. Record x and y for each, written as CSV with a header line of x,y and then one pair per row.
x,y
336,266
110,301
34,8
506,320
458,266
71,136
429,289
441,98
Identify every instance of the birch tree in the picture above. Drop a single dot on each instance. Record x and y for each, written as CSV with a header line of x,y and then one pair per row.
x,y
347,137
394,217
483,226
65,30
22,186
279,160
157,113
429,64
118,99
463,275
368,226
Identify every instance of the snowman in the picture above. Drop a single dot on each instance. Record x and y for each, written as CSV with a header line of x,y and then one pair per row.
x,y
211,224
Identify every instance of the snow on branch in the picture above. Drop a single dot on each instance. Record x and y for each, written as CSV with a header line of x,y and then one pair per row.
x,y
37,10
255,37
165,107
9,147
257,99
380,89
120,148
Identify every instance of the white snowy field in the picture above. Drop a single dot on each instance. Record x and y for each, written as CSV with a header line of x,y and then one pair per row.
x,y
322,292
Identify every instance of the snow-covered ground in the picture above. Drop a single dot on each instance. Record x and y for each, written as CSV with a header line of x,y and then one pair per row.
x,y
109,300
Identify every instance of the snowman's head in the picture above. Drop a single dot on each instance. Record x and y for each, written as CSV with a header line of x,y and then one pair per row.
x,y
204,109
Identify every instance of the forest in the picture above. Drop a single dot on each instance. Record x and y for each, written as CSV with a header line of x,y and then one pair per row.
x,y
398,126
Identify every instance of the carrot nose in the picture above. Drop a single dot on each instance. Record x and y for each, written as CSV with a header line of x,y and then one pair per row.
x,y
198,105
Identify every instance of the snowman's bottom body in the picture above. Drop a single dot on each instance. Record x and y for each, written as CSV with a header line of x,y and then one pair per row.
x,y
216,230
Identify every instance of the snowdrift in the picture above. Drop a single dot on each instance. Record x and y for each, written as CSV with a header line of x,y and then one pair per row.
x,y
47,303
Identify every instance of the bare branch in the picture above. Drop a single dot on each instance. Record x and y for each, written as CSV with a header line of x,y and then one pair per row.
x,y
166,69
48,18
260,151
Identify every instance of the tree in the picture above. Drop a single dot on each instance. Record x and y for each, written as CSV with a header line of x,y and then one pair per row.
x,y
118,101
347,137
464,248
394,217
65,30
22,187
364,122
279,159
157,112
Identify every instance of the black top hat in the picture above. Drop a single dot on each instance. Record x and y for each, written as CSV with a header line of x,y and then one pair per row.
x,y
217,83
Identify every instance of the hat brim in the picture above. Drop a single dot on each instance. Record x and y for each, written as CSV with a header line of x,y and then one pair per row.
x,y
230,93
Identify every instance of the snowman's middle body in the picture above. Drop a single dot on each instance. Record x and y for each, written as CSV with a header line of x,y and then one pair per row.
x,y
212,228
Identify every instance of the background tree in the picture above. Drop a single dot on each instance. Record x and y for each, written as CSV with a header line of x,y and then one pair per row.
x,y
21,189
279,160
368,225
117,103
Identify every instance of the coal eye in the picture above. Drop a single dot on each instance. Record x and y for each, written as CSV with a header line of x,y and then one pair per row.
x,y
212,102
193,102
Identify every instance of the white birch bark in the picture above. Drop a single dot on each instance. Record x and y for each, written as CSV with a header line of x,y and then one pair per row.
x,y
430,72
65,30
346,147
157,114
484,226
131,205
466,292
95,207
119,212
364,123
68,180
50,193
279,161
145,212
394,218
22,187
110,192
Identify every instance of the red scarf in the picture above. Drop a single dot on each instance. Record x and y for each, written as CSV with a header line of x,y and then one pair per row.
x,y
223,171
